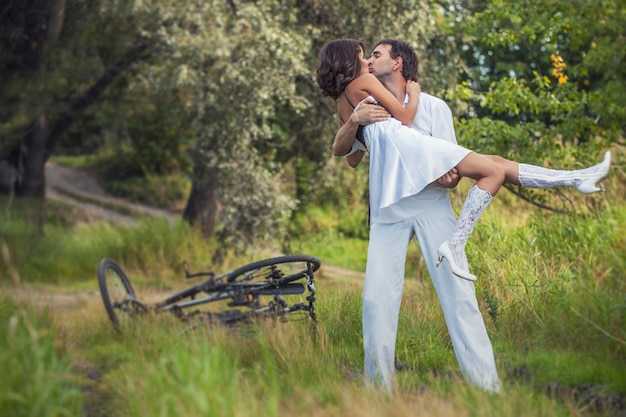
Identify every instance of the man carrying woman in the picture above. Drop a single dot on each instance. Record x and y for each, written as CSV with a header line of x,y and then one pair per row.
x,y
407,198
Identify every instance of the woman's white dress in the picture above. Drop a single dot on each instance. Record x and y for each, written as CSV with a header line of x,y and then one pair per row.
x,y
404,161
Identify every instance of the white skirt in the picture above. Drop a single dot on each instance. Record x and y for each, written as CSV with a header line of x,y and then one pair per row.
x,y
404,161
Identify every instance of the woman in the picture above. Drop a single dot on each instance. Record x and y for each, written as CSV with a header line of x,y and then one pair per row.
x,y
403,161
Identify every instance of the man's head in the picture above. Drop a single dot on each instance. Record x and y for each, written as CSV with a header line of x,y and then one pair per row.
x,y
390,55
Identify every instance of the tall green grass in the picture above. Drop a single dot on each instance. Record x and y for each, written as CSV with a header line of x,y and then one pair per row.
x,y
62,256
275,369
561,290
551,288
38,378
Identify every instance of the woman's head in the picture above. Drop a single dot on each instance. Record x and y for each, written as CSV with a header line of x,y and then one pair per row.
x,y
339,63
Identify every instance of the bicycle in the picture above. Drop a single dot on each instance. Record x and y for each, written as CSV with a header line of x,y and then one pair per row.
x,y
247,287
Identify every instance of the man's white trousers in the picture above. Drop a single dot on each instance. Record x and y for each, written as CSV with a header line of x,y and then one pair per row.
x,y
382,295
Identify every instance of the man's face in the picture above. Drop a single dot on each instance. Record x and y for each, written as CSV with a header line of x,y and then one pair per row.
x,y
380,63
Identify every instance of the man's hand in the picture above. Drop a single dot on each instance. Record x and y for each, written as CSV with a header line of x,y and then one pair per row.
x,y
450,179
366,112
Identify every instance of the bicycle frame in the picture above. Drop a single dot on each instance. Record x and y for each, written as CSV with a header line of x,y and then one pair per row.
x,y
243,286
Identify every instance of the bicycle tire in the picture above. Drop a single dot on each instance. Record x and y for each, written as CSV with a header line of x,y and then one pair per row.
x,y
117,292
280,270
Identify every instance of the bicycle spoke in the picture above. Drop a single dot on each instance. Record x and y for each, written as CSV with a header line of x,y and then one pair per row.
x,y
117,293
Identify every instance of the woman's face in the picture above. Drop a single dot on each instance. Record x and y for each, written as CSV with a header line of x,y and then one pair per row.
x,y
364,62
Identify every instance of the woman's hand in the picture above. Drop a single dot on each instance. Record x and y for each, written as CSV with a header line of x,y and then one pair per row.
x,y
413,88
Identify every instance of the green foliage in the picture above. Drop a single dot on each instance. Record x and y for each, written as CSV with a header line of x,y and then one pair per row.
x,y
337,236
533,71
158,191
528,80
74,161
224,83
341,309
216,371
37,378
153,246
123,176
227,90
144,155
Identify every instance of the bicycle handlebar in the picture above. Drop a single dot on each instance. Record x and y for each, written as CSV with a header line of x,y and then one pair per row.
x,y
196,274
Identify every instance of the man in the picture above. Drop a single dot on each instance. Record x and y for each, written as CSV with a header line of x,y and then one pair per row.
x,y
429,216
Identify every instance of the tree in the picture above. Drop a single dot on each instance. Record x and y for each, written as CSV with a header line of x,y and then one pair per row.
x,y
553,63
44,93
225,68
231,65
547,82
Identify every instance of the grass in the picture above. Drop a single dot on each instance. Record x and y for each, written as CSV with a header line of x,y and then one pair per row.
x,y
551,288
36,379
273,369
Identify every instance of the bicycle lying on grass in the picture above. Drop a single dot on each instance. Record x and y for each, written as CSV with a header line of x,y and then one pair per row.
x,y
257,290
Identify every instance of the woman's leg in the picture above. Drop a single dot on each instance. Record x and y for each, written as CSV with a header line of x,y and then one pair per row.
x,y
489,178
532,176
488,173
511,168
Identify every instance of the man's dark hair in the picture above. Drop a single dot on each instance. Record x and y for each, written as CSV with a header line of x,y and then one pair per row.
x,y
400,48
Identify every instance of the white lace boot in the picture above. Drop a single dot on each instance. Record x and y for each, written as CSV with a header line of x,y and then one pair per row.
x,y
585,180
453,249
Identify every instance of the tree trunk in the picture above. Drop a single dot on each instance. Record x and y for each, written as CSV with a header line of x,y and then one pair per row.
x,y
201,209
7,174
24,176
31,161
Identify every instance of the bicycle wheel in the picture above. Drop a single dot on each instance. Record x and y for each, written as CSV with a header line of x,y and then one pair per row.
x,y
118,295
279,270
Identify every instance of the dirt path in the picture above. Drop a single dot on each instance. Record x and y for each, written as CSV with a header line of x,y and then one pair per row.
x,y
80,189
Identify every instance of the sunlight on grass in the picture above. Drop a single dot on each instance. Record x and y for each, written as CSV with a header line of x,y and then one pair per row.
x,y
550,287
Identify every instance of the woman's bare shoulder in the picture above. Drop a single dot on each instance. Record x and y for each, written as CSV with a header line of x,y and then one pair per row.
x,y
363,86
366,79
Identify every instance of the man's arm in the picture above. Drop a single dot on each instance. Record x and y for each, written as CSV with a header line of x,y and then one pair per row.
x,y
345,139
345,143
346,136
443,122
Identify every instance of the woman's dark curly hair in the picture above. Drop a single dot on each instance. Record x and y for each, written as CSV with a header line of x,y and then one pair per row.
x,y
338,65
